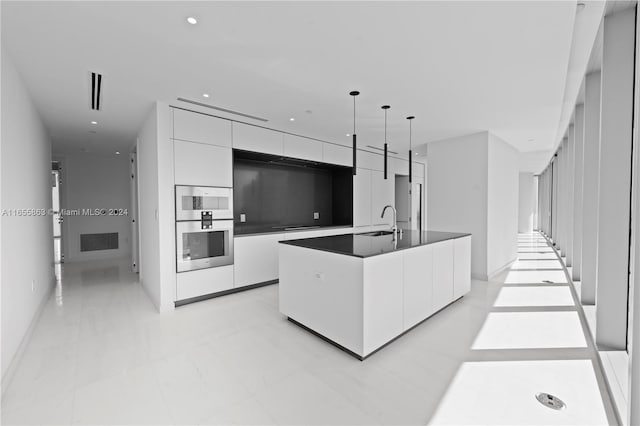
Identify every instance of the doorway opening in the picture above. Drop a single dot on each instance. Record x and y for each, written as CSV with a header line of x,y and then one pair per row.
x,y
416,206
57,217
408,201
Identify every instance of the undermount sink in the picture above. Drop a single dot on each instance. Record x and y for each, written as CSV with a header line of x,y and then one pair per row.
x,y
377,233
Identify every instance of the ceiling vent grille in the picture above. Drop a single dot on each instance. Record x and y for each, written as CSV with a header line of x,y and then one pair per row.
x,y
96,90
229,111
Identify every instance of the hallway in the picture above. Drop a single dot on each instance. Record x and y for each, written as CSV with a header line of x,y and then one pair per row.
x,y
101,354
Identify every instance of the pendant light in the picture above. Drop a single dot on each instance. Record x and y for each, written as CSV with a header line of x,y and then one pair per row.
x,y
385,108
354,94
410,152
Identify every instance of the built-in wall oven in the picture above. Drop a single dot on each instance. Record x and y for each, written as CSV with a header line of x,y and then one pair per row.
x,y
192,201
204,227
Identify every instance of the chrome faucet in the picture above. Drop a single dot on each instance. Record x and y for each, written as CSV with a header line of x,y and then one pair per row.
x,y
394,228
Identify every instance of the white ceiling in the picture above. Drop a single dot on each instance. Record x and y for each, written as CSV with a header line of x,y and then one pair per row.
x,y
585,35
459,67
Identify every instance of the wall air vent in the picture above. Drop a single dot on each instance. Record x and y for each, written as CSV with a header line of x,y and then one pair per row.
x,y
241,114
96,90
92,242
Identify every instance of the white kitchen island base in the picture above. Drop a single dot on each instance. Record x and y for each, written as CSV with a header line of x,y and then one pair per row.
x,y
347,292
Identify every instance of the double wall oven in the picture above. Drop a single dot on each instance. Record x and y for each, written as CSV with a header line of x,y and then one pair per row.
x,y
204,227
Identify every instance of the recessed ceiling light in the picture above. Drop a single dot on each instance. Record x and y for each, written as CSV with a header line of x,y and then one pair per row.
x,y
117,152
206,95
581,6
292,119
192,20
94,122
417,153
348,135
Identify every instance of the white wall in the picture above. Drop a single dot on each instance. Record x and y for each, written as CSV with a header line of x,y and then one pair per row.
x,y
167,208
96,182
147,149
457,191
473,187
616,124
526,203
502,205
156,208
27,242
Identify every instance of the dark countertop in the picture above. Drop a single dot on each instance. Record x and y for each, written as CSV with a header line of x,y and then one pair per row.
x,y
251,232
361,245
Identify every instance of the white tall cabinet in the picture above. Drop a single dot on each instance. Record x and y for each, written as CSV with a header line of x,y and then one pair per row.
x,y
200,164
194,127
257,139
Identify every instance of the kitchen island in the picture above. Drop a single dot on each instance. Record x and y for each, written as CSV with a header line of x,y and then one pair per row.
x,y
361,291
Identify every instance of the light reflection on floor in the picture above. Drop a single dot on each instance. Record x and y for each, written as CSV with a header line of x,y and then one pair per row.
x,y
532,341
502,393
101,354
533,296
536,277
528,264
531,330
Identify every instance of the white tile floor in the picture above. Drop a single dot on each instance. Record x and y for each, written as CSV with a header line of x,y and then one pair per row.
x,y
100,354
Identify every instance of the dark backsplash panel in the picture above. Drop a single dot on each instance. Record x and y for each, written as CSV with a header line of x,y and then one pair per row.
x,y
275,193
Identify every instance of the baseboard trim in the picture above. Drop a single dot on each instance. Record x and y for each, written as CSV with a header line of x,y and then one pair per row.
x,y
361,357
7,377
500,270
223,293
479,277
492,275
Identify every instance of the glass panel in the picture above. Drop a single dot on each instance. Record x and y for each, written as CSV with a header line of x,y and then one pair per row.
x,y
202,245
190,202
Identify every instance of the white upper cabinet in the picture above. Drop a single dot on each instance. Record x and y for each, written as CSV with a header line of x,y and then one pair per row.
x,y
362,198
202,165
195,127
369,160
382,194
257,139
337,154
399,166
304,148
417,170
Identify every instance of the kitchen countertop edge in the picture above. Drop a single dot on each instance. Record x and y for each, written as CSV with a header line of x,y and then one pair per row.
x,y
298,243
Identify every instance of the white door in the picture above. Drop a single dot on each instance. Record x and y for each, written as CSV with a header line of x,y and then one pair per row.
x,y
58,256
416,206
135,255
